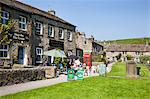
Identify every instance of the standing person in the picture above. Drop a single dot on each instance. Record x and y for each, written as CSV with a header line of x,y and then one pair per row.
x,y
68,65
88,70
61,67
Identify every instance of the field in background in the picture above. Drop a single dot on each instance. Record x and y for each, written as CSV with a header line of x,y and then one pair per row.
x,y
128,41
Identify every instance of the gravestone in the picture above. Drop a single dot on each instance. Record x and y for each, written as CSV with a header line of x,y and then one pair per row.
x,y
131,69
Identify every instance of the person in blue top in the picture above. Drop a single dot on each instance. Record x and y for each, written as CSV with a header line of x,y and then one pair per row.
x,y
61,67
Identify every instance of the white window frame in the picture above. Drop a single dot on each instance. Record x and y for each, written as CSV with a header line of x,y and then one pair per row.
x,y
4,50
40,27
52,32
40,54
23,23
61,31
69,36
5,18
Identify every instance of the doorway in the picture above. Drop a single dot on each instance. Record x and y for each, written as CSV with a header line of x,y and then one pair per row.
x,y
21,55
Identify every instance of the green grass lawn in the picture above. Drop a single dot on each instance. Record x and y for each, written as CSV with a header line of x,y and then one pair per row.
x,y
93,88
118,69
144,71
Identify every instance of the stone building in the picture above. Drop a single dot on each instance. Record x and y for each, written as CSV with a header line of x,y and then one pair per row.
x,y
135,50
86,45
35,31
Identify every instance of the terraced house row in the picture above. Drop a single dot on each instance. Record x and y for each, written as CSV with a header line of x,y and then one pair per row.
x,y
35,31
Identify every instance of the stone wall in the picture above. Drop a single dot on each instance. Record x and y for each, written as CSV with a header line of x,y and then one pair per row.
x,y
15,76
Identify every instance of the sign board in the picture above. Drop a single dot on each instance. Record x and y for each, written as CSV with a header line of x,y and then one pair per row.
x,y
71,74
87,51
102,69
80,74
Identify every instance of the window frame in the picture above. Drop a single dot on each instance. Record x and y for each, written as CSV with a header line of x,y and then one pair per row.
x,y
37,54
62,33
3,17
23,23
41,28
52,31
69,35
4,50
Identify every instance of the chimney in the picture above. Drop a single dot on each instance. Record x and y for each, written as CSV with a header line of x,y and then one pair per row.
x,y
52,12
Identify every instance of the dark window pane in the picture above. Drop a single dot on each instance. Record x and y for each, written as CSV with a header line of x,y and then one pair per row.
x,y
1,54
5,46
24,26
19,25
38,58
20,19
23,19
5,53
1,46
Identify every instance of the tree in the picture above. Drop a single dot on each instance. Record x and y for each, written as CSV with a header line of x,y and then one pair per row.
x,y
6,32
144,59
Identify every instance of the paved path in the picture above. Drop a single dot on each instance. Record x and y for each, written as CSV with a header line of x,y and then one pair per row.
x,y
5,90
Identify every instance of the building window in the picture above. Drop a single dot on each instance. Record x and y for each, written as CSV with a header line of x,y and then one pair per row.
x,y
39,28
51,31
61,33
3,51
69,36
5,17
137,53
124,52
39,53
22,23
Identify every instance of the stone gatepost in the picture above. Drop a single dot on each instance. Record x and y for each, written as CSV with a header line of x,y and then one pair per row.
x,y
131,69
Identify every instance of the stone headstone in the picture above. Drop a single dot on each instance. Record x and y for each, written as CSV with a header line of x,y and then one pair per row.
x,y
130,69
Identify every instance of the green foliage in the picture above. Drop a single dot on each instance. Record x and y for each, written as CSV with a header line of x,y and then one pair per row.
x,y
65,62
5,30
129,57
57,60
130,41
99,58
144,59
144,71
118,57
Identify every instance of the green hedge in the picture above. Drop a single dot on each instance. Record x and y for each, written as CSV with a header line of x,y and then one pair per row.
x,y
144,59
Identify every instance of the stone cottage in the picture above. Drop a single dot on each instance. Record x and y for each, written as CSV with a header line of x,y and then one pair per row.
x,y
87,46
35,31
134,50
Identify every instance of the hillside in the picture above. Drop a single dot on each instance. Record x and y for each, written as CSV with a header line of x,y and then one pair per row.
x,y
128,41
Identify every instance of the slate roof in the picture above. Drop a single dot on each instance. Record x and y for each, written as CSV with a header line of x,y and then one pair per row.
x,y
128,48
30,9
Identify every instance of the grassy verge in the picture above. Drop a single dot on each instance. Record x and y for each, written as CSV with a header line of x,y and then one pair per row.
x,y
90,88
118,69
144,71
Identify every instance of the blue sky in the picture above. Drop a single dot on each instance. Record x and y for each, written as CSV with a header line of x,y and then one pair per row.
x,y
104,19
